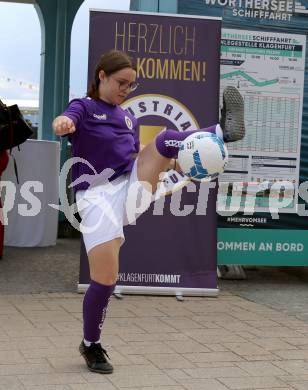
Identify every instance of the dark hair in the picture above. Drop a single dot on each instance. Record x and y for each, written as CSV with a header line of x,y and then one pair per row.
x,y
110,62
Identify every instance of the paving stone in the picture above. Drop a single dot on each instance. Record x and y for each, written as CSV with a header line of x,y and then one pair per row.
x,y
47,387
180,323
242,383
92,377
289,379
24,343
51,352
213,357
187,346
261,368
11,357
204,384
164,388
43,316
293,354
237,326
273,344
8,382
155,325
216,347
51,379
266,357
171,360
143,347
26,368
218,372
153,336
93,386
65,364
300,385
176,374
32,331
141,380
293,367
245,349
136,370
275,332
296,341
207,336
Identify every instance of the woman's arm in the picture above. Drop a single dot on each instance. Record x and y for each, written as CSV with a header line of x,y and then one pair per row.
x,y
71,118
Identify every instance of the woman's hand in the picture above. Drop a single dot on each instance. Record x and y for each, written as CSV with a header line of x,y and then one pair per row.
x,y
63,125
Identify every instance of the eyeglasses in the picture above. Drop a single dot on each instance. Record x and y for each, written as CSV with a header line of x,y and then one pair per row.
x,y
124,85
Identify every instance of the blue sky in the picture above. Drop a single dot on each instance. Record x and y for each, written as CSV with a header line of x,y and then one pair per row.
x,y
20,66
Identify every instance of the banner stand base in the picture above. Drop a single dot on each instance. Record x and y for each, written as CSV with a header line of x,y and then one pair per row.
x,y
179,293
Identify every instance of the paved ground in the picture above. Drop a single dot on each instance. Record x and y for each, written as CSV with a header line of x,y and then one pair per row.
x,y
282,288
253,336
55,269
35,270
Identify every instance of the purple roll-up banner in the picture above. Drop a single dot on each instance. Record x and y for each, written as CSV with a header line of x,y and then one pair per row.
x,y
172,248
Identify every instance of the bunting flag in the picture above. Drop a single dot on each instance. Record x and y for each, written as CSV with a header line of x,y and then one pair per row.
x,y
6,81
11,82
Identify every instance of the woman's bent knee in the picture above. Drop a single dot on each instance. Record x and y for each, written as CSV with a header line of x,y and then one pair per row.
x,y
104,275
105,279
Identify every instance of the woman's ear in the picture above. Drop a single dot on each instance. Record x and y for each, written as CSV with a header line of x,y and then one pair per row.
x,y
102,75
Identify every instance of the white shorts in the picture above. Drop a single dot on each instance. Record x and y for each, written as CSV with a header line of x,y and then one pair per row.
x,y
105,209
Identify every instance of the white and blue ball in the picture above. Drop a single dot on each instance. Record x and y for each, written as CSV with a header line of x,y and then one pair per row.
x,y
202,156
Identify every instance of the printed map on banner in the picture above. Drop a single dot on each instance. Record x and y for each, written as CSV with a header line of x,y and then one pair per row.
x,y
268,69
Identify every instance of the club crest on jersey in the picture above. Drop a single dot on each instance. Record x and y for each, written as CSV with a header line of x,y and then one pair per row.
x,y
129,122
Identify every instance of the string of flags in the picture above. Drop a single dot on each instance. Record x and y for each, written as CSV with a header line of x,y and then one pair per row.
x,y
11,82
5,80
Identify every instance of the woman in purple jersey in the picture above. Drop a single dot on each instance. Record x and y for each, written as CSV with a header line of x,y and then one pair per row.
x,y
105,141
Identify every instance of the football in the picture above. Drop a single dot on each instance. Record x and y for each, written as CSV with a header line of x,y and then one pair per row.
x,y
202,156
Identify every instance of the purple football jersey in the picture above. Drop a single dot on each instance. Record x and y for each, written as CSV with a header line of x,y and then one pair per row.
x,y
106,136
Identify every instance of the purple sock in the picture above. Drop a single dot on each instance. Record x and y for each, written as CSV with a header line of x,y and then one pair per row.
x,y
95,304
168,141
